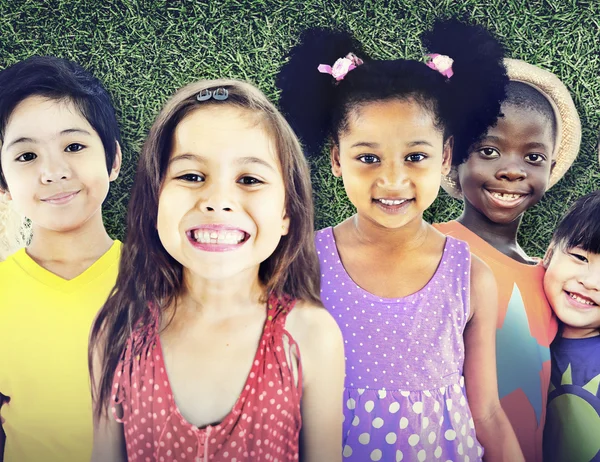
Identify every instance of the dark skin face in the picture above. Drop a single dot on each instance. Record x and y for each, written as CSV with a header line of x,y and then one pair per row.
x,y
507,172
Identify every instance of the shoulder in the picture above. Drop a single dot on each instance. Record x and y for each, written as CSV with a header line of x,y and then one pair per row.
x,y
481,274
312,327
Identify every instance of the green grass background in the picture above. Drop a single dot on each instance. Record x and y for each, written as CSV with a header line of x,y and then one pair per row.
x,y
145,50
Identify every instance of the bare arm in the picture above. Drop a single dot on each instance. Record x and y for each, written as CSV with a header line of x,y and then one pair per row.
x,y
109,439
322,352
492,427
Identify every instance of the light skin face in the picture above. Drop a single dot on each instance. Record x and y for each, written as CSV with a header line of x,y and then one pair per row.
x,y
222,204
508,171
572,285
54,164
391,158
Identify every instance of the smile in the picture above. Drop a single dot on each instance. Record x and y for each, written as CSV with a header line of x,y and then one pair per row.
x,y
393,205
61,198
217,238
581,299
505,199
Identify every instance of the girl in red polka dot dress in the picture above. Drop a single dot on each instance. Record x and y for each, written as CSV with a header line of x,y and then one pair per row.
x,y
214,345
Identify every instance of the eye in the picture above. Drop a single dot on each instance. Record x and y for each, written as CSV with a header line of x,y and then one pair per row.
x,y
191,178
578,256
368,159
74,147
489,153
27,157
248,180
535,158
417,157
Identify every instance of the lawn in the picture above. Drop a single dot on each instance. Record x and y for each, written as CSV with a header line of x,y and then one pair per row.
x,y
145,50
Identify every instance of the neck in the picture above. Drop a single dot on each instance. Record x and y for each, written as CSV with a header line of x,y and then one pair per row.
x,y
217,298
498,235
87,242
575,332
407,238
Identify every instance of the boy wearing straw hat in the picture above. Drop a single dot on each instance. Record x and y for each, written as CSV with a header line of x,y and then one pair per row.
x,y
508,171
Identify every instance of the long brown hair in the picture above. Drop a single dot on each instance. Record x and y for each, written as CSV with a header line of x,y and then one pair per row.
x,y
149,276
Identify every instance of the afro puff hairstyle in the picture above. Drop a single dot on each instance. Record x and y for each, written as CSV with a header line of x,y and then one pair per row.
x,y
463,106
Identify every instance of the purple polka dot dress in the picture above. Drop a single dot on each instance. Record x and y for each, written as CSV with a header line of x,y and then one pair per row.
x,y
404,393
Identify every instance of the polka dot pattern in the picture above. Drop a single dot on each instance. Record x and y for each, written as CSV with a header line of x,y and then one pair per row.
x,y
264,424
404,393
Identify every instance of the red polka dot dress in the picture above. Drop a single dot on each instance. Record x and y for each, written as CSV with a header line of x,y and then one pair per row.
x,y
264,424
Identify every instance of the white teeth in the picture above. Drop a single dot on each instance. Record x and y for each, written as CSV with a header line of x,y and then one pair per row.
x,y
506,197
229,237
392,202
581,300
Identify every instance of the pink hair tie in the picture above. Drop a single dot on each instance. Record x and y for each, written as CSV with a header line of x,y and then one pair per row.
x,y
341,67
441,63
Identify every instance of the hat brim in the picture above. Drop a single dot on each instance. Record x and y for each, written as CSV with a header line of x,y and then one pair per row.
x,y
568,136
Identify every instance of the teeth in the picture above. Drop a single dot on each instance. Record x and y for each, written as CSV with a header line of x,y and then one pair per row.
x,y
217,237
506,197
581,300
392,202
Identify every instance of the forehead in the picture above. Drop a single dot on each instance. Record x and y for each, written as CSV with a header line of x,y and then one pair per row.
x,y
392,117
225,131
48,112
523,122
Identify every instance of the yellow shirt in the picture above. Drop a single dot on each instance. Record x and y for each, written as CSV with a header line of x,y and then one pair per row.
x,y
44,329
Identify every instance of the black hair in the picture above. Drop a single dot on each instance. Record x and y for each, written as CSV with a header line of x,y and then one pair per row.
x,y
464,105
59,79
524,96
580,226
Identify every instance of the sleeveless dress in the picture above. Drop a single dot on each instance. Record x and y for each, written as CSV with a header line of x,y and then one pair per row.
x,y
404,393
263,425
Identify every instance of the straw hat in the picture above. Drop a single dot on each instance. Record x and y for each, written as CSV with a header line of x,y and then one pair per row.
x,y
568,133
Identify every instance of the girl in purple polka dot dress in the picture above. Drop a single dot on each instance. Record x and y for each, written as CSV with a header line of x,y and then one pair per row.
x,y
214,345
416,309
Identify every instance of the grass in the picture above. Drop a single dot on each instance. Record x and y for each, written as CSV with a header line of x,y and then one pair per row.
x,y
144,50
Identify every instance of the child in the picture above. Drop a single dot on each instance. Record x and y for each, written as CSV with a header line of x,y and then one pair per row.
x,y
499,177
59,152
197,351
412,304
572,285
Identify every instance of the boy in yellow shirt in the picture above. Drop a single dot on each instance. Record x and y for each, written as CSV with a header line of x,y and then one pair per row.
x,y
59,151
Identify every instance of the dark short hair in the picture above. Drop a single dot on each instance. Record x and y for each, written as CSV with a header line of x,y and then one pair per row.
x,y
524,96
580,226
60,79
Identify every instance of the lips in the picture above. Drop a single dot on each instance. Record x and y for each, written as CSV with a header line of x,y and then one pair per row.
x,y
392,204
504,198
579,299
217,238
61,198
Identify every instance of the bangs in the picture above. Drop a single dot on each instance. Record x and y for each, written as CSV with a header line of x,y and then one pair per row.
x,y
580,227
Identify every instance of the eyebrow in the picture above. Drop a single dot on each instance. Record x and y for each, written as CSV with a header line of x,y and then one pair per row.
x,y
68,131
240,161
371,145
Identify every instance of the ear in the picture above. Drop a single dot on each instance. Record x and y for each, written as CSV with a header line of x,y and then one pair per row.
x,y
552,165
6,194
447,155
116,168
285,224
336,167
548,255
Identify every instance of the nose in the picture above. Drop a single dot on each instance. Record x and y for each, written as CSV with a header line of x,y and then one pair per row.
x,y
591,278
217,197
55,168
511,170
393,176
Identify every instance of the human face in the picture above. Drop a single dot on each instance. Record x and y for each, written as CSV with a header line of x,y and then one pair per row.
x,y
54,164
391,159
508,171
221,209
572,285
